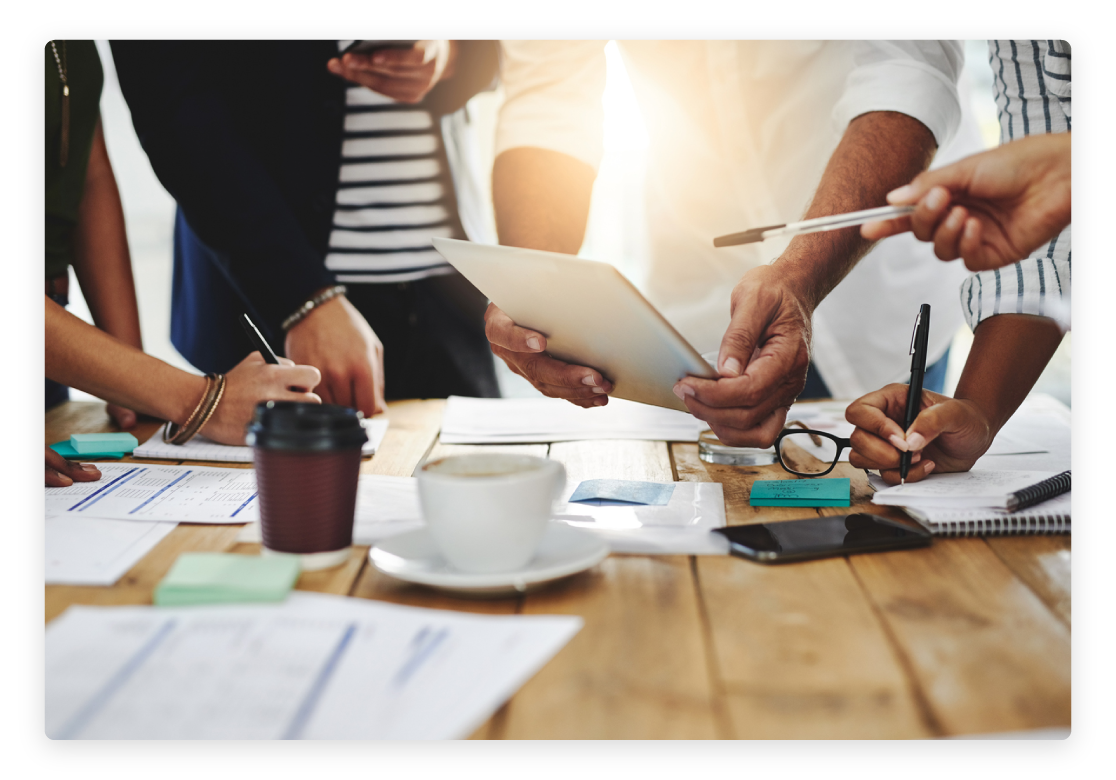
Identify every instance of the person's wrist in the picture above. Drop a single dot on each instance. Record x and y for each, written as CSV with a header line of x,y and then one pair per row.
x,y
184,398
321,299
983,424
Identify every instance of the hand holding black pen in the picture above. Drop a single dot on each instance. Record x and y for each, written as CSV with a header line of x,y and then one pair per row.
x,y
919,340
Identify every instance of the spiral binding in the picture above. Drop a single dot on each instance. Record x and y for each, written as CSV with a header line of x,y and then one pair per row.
x,y
1044,490
995,526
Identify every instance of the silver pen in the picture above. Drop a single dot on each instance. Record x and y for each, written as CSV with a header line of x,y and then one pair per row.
x,y
817,225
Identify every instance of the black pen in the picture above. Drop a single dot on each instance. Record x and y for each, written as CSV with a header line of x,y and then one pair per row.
x,y
258,340
918,369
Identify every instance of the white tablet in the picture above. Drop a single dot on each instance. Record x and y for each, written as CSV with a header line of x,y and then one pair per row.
x,y
590,314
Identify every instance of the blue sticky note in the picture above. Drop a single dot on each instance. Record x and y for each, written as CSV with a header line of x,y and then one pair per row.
x,y
66,450
800,492
88,443
611,492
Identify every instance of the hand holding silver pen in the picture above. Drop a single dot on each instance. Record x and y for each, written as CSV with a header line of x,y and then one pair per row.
x,y
817,225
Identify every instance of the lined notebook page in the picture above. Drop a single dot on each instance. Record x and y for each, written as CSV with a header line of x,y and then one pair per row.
x,y
201,448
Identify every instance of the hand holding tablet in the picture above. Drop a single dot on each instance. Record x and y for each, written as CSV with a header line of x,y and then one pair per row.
x,y
576,329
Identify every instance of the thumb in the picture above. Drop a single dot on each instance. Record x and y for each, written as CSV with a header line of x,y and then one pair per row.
x,y
954,177
740,342
930,424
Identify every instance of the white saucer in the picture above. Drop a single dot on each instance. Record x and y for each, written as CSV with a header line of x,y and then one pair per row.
x,y
412,557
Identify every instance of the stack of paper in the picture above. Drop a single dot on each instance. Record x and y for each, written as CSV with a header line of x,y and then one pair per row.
x,y
520,420
314,667
201,448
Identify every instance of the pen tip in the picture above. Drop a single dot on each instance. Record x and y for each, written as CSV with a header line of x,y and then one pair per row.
x,y
902,481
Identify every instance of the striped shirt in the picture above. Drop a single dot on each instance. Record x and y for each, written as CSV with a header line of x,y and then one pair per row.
x,y
394,192
1032,84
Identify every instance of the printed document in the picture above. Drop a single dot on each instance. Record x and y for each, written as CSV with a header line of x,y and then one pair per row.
x,y
385,506
520,420
201,448
142,491
96,551
314,667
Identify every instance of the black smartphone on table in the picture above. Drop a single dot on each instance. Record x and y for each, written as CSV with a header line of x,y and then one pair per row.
x,y
821,537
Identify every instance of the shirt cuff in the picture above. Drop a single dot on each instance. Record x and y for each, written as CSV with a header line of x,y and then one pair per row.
x,y
908,87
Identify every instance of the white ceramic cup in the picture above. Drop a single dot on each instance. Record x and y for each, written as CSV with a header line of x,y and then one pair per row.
x,y
487,512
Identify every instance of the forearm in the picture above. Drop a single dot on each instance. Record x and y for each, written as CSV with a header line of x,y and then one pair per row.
x,y
102,262
1008,355
879,151
81,356
541,199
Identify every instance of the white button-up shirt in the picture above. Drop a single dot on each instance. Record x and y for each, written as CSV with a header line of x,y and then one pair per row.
x,y
740,133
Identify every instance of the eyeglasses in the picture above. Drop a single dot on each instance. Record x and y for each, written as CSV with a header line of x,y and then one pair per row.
x,y
808,453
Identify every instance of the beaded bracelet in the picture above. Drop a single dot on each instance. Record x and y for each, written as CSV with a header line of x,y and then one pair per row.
x,y
328,294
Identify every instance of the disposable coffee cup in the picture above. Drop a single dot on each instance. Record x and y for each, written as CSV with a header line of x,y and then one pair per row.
x,y
487,513
307,459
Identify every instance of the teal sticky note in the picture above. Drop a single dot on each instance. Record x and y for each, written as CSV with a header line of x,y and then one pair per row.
x,y
221,578
66,450
800,492
89,443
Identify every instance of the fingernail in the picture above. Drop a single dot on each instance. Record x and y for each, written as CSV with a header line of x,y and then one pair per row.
x,y
599,390
678,392
589,380
897,442
916,441
600,401
937,198
66,481
929,466
533,343
901,194
88,467
731,367
684,390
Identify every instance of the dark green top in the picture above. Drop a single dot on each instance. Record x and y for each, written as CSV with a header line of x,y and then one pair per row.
x,y
64,185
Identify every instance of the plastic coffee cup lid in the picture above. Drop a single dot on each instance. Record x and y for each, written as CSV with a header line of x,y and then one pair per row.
x,y
303,427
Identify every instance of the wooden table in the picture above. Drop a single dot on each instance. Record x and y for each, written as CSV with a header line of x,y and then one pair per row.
x,y
966,636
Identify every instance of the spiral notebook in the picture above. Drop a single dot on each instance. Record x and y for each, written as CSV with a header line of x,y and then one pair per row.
x,y
1049,517
201,448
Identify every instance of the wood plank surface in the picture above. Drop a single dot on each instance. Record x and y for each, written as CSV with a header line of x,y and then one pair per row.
x,y
967,636
987,653
412,430
1043,562
798,650
637,669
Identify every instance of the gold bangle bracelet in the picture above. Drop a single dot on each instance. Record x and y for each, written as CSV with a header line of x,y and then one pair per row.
x,y
212,407
172,433
190,431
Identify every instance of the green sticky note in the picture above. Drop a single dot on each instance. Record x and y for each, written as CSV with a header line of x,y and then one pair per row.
x,y
89,443
221,578
66,450
800,492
